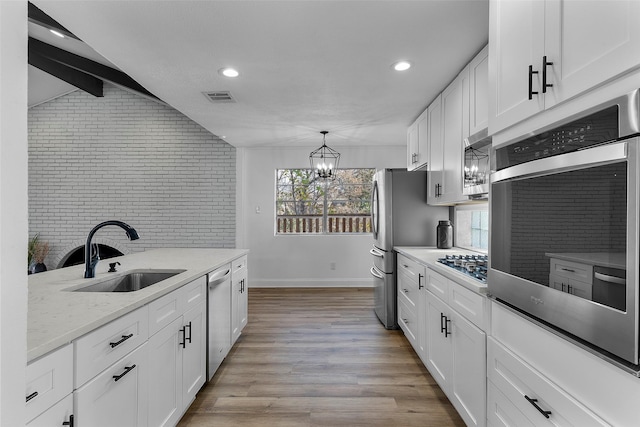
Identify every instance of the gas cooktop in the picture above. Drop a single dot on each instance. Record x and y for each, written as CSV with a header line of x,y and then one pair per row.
x,y
474,266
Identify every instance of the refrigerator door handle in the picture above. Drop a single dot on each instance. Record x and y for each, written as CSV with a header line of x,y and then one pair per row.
x,y
374,273
376,252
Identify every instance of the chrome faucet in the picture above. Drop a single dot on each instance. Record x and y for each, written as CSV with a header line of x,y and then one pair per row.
x,y
90,262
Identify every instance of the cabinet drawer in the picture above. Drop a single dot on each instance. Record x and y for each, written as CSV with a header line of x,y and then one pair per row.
x,y
101,348
438,285
49,379
410,267
469,304
238,264
521,384
572,270
501,412
58,414
165,310
408,322
407,290
194,293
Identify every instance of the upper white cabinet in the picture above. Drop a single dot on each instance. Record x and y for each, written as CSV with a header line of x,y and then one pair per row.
x,y
479,92
545,52
445,185
418,143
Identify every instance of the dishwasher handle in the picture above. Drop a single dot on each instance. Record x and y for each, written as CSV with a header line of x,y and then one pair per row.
x,y
218,277
610,279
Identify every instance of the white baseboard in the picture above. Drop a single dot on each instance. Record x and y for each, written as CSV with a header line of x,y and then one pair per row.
x,y
311,283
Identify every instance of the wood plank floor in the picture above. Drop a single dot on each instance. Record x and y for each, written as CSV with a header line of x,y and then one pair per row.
x,y
320,357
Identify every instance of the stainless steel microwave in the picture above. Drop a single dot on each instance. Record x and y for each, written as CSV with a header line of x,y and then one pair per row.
x,y
564,245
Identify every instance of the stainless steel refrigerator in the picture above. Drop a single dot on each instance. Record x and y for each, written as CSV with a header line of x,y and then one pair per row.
x,y
400,217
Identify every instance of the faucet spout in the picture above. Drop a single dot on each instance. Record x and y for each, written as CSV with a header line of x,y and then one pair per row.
x,y
90,261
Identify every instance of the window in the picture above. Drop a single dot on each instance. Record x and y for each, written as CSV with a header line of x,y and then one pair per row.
x,y
472,227
309,205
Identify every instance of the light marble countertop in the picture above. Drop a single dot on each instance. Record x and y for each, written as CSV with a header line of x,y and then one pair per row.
x,y
429,257
57,316
600,259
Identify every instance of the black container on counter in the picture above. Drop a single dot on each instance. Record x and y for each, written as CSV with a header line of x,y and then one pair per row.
x,y
444,233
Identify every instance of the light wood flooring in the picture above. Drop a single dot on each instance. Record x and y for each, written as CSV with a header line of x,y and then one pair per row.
x,y
320,357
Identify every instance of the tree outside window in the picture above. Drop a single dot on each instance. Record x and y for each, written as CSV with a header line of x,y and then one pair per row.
x,y
306,204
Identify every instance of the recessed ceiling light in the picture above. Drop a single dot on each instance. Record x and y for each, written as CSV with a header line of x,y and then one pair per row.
x,y
402,65
57,33
229,72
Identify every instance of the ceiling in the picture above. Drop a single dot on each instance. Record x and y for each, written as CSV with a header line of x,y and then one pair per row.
x,y
305,66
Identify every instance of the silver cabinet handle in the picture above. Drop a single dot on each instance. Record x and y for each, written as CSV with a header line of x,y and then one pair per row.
x,y
610,279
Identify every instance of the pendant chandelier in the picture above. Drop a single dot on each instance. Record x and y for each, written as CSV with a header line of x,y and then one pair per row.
x,y
324,160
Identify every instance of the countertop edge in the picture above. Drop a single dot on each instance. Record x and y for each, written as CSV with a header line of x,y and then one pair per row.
x,y
427,256
113,306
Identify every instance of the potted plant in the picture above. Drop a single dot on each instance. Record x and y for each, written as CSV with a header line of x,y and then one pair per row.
x,y
37,252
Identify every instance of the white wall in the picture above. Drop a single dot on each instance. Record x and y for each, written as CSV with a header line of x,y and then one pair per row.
x,y
126,157
13,211
296,260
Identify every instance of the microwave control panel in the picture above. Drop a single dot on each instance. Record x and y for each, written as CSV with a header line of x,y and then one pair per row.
x,y
597,128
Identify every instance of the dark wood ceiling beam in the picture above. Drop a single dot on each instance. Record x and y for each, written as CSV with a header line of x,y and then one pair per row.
x,y
86,66
81,80
37,16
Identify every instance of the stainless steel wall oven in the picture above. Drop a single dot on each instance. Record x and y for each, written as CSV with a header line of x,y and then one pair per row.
x,y
564,247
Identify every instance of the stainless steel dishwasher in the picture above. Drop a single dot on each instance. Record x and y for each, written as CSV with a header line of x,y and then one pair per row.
x,y
219,318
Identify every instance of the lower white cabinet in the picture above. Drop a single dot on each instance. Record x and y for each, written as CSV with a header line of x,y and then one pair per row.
x,y
118,396
521,396
177,356
49,380
456,350
239,297
60,414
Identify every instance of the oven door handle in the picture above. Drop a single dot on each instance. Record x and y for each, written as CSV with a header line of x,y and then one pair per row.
x,y
376,252
374,273
610,279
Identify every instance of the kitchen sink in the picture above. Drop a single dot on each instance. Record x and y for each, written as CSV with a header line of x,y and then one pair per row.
x,y
130,282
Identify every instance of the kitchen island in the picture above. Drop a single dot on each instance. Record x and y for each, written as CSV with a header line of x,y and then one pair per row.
x,y
57,315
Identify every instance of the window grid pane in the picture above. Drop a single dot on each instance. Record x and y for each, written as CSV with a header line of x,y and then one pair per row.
x,y
306,205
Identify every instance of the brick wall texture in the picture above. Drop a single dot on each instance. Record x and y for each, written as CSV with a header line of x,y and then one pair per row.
x,y
132,159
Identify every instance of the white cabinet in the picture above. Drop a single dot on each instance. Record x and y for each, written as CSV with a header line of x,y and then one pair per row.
x,y
456,347
545,52
418,143
410,280
446,183
49,381
521,396
479,92
60,414
118,396
239,297
177,352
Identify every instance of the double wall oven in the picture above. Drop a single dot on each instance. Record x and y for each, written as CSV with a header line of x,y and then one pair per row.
x,y
564,212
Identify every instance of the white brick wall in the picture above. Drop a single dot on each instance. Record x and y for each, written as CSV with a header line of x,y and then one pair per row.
x,y
128,158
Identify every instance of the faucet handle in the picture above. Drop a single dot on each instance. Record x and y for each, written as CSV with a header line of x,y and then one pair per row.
x,y
112,267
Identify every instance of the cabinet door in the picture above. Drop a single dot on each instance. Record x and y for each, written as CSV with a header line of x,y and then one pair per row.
x,y
165,382
468,376
479,92
412,146
194,364
436,150
423,322
439,350
118,396
516,41
589,42
239,304
455,127
423,140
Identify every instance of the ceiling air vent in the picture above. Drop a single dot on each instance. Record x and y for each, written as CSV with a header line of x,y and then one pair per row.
x,y
219,96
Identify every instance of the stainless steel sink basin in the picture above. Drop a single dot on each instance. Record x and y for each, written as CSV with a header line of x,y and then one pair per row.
x,y
130,282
